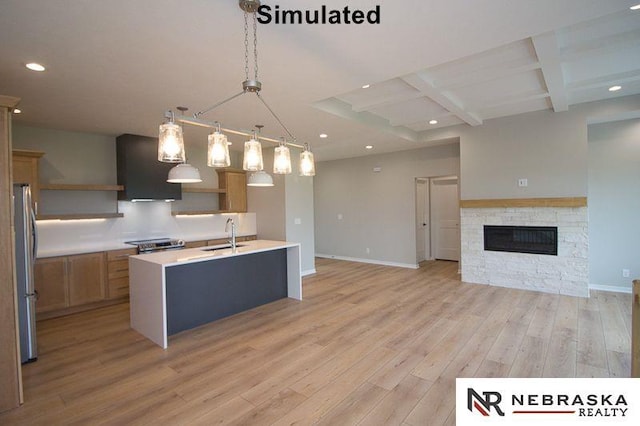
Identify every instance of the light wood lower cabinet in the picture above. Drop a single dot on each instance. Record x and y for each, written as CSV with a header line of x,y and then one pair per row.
x,y
51,284
118,273
68,281
86,278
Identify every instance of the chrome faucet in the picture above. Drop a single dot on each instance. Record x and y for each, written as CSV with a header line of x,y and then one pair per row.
x,y
232,241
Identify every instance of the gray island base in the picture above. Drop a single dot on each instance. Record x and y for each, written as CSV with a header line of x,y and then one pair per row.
x,y
173,291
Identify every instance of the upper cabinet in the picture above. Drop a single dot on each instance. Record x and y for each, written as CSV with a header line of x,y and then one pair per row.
x,y
25,170
143,176
234,182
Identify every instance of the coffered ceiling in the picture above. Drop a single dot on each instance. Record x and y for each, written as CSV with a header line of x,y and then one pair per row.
x,y
115,67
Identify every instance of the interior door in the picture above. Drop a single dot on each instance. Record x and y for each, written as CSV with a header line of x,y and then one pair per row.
x,y
445,218
423,243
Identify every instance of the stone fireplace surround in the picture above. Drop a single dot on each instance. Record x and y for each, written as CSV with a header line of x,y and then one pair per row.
x,y
567,273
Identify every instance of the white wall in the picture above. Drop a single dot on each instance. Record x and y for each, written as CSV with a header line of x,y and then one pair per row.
x,y
614,203
378,209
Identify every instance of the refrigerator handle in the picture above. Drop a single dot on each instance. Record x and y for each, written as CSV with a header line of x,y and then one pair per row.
x,y
34,233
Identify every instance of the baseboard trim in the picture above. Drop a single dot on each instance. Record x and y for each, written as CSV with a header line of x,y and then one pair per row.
x,y
610,288
308,272
372,261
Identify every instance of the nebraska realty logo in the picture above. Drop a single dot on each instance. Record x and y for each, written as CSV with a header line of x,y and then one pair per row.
x,y
565,401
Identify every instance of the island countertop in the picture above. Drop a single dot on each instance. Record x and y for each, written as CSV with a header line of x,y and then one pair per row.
x,y
200,254
175,290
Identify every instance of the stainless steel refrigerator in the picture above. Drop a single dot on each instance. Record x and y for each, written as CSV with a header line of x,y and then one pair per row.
x,y
26,248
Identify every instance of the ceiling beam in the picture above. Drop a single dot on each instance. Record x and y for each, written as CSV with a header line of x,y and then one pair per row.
x,y
445,99
386,101
548,53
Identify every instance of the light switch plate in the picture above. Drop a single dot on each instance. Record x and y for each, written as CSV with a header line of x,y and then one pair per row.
x,y
297,221
523,182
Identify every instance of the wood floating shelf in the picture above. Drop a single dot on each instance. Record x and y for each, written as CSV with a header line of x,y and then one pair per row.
x,y
204,190
28,153
79,216
80,187
197,212
524,202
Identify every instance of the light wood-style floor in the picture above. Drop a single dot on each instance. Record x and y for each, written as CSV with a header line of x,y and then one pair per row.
x,y
369,345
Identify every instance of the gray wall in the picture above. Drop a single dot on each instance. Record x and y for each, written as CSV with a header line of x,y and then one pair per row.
x,y
71,157
378,209
270,202
614,203
300,208
548,148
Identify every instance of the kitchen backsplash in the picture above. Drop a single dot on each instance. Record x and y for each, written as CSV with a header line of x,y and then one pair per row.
x,y
141,220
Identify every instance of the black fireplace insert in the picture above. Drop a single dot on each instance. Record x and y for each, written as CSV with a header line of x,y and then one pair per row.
x,y
522,239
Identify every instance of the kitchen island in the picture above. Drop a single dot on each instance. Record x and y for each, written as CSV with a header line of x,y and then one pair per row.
x,y
176,290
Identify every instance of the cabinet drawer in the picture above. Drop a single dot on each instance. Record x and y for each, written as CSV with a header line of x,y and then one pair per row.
x,y
120,254
118,265
118,274
118,287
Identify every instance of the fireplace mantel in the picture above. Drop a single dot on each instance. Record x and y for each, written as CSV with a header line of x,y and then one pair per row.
x,y
524,202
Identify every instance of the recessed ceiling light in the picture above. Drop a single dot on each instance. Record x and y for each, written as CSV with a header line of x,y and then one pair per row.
x,y
366,86
614,88
33,66
636,7
323,135
17,111
369,146
433,122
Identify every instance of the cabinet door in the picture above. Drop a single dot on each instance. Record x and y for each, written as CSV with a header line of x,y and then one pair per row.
x,y
25,170
236,192
86,278
51,284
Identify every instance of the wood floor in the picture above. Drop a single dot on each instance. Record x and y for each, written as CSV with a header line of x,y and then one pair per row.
x,y
369,345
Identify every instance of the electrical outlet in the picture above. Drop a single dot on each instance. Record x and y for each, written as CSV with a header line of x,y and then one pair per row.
x,y
523,182
297,221
339,216
367,250
626,273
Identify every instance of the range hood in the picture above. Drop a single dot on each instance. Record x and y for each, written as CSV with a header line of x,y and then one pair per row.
x,y
143,176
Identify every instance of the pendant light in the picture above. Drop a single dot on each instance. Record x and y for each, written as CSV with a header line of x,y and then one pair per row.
x,y
282,159
253,154
184,173
307,164
260,178
252,149
171,142
218,149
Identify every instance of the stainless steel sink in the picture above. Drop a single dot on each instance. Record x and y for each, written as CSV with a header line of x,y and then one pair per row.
x,y
228,246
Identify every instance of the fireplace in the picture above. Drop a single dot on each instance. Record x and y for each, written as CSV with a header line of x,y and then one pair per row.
x,y
522,239
564,272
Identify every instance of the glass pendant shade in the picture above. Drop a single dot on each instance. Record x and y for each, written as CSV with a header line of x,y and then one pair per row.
x,y
260,178
171,143
218,152
184,173
282,160
252,156
307,164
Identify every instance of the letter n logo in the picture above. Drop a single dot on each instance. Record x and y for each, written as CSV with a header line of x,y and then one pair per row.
x,y
483,404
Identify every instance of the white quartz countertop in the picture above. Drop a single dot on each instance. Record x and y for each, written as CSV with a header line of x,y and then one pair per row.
x,y
183,256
